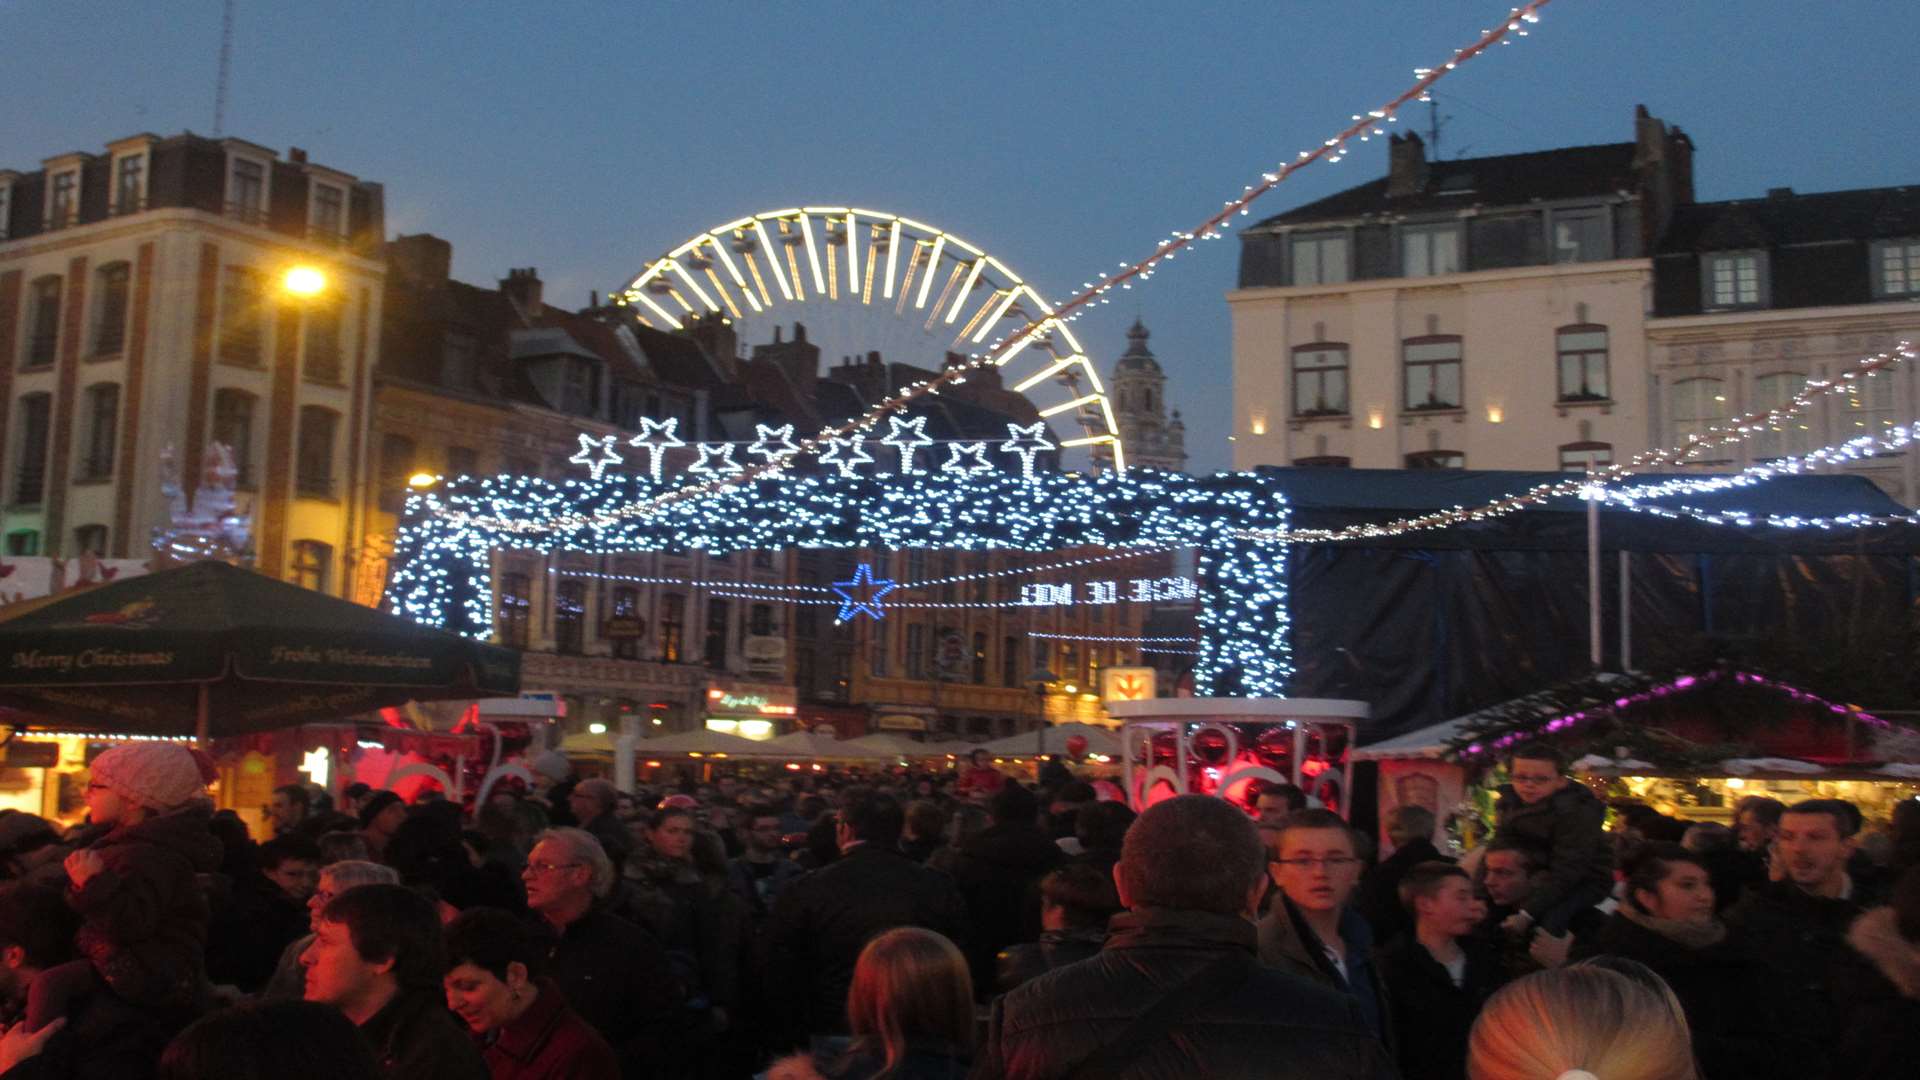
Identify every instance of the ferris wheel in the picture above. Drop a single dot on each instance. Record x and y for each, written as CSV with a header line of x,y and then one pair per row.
x,y
929,278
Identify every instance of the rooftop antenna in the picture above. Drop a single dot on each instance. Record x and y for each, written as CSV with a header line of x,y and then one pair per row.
x,y
1435,122
226,63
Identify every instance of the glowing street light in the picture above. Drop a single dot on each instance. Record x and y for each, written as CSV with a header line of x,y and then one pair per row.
x,y
421,481
304,281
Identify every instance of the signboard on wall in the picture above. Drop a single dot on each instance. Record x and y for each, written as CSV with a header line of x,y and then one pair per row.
x,y
1127,684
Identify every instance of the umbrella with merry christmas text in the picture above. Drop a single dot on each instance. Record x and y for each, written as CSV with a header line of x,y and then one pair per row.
x,y
210,649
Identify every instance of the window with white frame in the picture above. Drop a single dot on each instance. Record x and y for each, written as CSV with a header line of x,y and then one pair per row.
x,y
1896,268
63,199
1579,457
1432,373
1580,236
1428,250
1319,258
1320,380
1780,438
246,189
329,219
110,284
130,183
1734,279
43,322
1694,405
1581,352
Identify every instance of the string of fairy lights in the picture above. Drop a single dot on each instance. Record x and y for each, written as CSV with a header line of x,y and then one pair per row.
x,y
1362,127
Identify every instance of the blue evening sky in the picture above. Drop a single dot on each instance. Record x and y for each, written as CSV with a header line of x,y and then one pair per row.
x,y
584,138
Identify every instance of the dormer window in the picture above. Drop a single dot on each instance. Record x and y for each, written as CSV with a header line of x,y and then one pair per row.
x,y
1319,258
1581,235
130,183
1430,250
328,219
63,199
1733,279
579,387
1896,269
246,189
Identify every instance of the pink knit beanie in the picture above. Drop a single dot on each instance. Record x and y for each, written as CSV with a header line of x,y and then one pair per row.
x,y
162,776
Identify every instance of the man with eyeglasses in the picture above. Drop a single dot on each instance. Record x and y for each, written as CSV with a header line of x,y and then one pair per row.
x,y
1310,931
613,973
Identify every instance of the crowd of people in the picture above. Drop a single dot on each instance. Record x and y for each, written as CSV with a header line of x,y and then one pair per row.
x,y
932,926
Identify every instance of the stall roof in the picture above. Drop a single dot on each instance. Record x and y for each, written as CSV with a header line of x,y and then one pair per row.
x,y
1330,498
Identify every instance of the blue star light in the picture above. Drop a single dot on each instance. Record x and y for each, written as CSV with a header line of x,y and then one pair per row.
x,y
861,596
596,465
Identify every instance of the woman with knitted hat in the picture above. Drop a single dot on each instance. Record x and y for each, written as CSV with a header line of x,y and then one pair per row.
x,y
143,928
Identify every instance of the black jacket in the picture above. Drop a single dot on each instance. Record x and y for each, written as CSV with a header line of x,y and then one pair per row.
x,y
1379,895
998,871
1288,944
1569,827
415,1038
1056,948
822,921
105,1039
1880,1034
1431,1016
1737,1016
1801,940
1273,1026
617,978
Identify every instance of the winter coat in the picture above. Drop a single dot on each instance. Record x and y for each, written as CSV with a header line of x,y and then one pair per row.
x,y
1431,1016
823,920
1272,1025
104,1039
1737,1016
1379,895
998,872
1569,827
1801,941
614,836
698,922
1288,944
251,921
1880,1036
414,1037
616,977
1055,949
549,1042
760,892
144,914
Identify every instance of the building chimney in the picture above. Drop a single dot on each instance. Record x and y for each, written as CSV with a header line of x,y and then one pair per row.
x,y
717,339
296,155
1406,165
1663,161
420,261
522,286
800,332
1779,194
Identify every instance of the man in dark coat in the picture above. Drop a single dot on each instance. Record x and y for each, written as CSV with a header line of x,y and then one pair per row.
x,y
1311,930
1797,927
998,871
378,957
822,921
1177,991
1410,831
593,803
1437,976
614,974
1567,822
103,1038
1880,1034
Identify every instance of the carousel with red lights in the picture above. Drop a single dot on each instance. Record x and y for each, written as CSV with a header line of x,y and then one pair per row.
x,y
1231,748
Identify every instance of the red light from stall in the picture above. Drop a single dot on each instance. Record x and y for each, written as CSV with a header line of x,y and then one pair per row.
x,y
1312,767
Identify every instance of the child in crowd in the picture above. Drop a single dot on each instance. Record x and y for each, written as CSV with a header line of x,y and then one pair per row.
x,y
136,888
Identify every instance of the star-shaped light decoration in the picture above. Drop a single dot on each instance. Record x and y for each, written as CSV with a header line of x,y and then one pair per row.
x,y
853,453
958,452
1027,441
715,458
906,436
774,444
861,596
607,455
656,438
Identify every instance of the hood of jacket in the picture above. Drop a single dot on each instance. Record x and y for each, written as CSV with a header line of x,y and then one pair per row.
x,y
1876,936
183,832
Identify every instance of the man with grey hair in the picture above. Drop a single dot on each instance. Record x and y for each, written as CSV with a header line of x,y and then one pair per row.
x,y
289,981
614,974
1409,829
1177,990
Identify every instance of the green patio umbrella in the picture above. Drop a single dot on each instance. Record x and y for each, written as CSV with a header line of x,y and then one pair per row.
x,y
209,649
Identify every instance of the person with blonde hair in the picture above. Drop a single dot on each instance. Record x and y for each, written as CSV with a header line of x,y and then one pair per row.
x,y
1580,1023
910,1010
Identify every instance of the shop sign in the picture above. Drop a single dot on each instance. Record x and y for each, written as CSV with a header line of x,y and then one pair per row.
x,y
624,627
728,701
1127,684
901,722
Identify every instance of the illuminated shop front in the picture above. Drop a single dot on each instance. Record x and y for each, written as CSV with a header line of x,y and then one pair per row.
x,y
751,710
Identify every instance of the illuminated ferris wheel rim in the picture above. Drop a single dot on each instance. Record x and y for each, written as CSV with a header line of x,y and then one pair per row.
x,y
746,266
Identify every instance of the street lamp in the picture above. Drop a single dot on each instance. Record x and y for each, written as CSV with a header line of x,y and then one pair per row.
x,y
421,481
1040,680
304,281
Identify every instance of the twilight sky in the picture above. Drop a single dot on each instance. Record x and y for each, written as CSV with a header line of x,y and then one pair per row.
x,y
584,138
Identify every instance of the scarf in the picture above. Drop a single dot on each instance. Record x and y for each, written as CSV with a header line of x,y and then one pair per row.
x,y
1694,934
